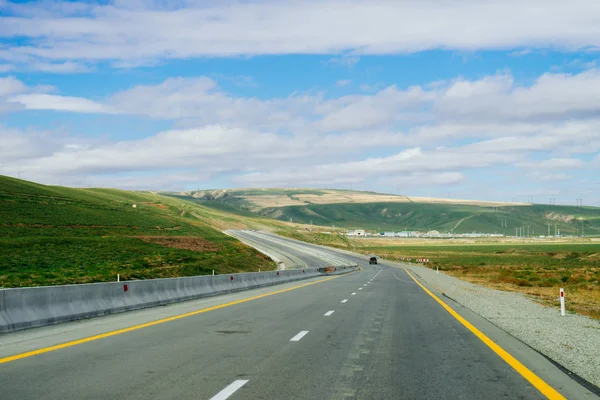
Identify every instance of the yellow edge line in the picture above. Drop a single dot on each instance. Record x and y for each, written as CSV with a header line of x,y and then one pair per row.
x,y
536,381
152,323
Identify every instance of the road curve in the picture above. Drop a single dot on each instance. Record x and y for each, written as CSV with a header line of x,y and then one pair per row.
x,y
292,253
372,334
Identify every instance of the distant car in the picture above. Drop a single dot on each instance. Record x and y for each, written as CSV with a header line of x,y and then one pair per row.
x,y
372,260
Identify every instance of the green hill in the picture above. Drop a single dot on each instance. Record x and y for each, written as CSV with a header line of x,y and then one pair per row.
x,y
363,210
58,235
445,217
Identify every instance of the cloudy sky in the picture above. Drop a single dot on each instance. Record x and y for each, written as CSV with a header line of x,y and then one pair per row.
x,y
488,100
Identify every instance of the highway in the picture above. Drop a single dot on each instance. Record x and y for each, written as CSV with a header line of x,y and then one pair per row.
x,y
292,253
371,334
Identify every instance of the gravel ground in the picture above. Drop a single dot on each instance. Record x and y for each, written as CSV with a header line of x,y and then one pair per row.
x,y
573,341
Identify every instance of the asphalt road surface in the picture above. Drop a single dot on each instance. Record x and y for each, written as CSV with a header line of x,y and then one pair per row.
x,y
292,253
371,334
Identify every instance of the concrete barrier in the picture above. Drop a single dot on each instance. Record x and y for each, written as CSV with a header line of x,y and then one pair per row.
x,y
24,308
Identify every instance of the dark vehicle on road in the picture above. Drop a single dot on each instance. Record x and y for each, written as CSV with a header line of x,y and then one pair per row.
x,y
372,260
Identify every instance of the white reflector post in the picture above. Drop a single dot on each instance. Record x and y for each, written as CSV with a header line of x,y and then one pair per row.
x,y
562,302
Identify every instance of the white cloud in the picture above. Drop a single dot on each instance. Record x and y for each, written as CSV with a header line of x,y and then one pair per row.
x,y
554,163
347,60
60,103
521,53
552,96
412,162
11,85
153,180
66,67
151,30
461,107
343,82
424,179
551,177
308,139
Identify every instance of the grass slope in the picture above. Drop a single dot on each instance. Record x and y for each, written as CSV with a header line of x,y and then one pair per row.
x,y
443,217
57,235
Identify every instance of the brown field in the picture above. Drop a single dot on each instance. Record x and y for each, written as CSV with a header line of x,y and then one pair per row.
x,y
334,197
182,242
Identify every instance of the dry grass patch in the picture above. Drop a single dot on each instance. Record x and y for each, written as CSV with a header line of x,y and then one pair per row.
x,y
182,242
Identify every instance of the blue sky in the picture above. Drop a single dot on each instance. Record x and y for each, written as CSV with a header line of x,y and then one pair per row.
x,y
489,101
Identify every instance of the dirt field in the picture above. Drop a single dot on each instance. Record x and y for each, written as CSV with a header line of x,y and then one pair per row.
x,y
182,242
333,197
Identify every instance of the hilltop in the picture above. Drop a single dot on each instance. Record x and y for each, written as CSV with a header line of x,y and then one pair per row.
x,y
385,212
259,199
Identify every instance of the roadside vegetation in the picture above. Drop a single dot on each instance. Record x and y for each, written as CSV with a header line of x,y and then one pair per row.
x,y
56,235
536,269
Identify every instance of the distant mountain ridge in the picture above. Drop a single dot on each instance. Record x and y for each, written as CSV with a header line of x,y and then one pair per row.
x,y
375,211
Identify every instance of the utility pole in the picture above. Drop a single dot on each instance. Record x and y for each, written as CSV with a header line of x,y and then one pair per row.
x,y
527,230
516,235
548,230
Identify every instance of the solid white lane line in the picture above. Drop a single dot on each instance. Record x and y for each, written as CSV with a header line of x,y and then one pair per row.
x,y
353,294
229,390
328,313
299,336
343,301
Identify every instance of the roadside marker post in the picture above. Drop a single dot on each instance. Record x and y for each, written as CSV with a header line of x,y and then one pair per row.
x,y
213,272
118,278
437,269
562,302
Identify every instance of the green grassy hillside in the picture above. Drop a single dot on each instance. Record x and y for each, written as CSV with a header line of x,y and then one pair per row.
x,y
443,217
57,235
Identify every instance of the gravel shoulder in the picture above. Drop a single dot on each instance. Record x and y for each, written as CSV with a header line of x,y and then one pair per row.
x,y
572,341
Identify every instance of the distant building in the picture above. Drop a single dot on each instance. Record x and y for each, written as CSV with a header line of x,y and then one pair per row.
x,y
405,234
387,234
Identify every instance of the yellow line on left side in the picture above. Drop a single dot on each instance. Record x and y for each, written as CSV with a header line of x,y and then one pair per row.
x,y
152,323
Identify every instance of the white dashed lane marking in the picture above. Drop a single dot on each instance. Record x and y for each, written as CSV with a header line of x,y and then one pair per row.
x,y
229,390
299,336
